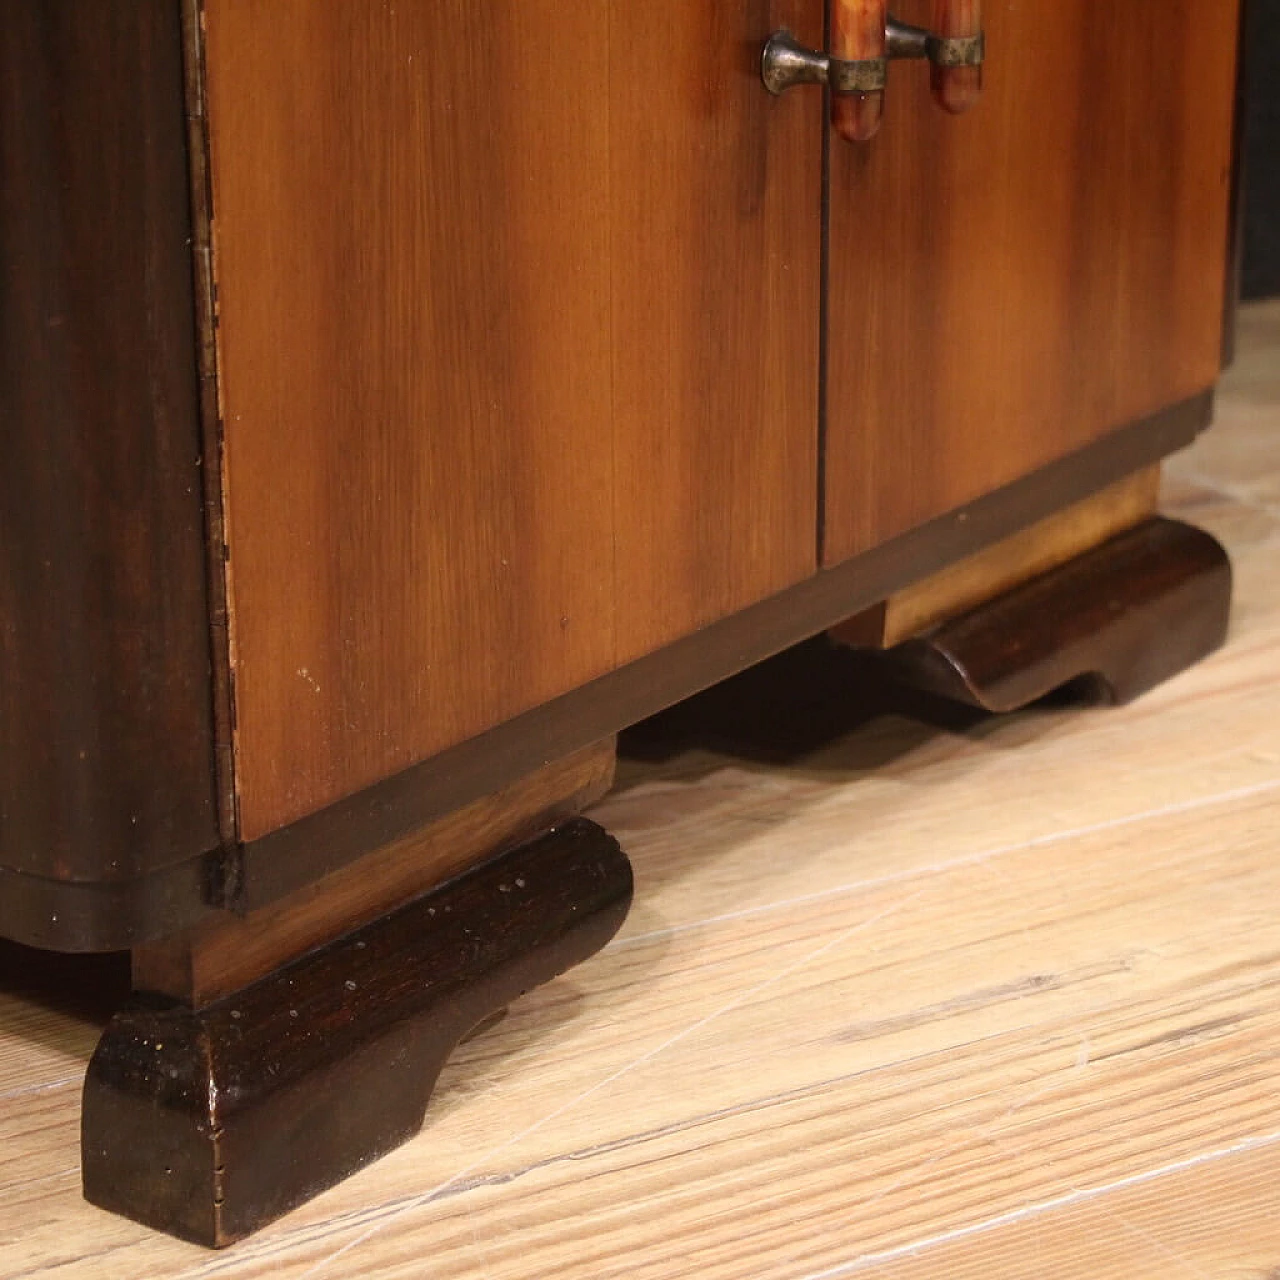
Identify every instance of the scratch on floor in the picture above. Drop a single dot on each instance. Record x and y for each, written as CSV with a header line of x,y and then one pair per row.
x,y
1158,1245
43,1086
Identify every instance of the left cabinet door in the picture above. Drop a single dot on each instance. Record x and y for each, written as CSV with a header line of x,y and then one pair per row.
x,y
518,358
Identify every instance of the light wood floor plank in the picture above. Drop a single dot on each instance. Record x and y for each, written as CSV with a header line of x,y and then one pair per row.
x,y
1210,1216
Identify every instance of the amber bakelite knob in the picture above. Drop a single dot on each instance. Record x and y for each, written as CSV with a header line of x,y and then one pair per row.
x,y
956,88
858,35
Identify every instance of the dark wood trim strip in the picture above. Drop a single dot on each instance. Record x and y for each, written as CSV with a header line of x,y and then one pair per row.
x,y
211,427
105,915
305,850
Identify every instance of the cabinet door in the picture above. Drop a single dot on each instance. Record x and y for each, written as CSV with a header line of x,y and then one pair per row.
x,y
1012,284
518,357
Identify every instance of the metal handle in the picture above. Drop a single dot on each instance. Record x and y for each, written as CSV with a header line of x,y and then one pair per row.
x,y
857,69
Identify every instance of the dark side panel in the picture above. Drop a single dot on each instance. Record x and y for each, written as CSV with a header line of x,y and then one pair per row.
x,y
106,741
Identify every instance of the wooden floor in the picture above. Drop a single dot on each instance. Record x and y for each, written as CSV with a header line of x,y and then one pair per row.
x,y
924,996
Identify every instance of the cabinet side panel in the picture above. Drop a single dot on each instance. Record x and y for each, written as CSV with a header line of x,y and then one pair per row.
x,y
106,755
1010,285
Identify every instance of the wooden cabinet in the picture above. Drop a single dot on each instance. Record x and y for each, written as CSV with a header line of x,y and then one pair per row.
x,y
399,400
540,368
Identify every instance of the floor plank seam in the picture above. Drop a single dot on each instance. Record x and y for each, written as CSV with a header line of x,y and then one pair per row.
x,y
1229,492
1071,1198
944,868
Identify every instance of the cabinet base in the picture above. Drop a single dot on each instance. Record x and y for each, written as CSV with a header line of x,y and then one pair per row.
x,y
209,1123
1113,622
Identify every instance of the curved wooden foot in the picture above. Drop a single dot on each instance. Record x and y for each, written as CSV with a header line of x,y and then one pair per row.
x,y
1125,616
208,1124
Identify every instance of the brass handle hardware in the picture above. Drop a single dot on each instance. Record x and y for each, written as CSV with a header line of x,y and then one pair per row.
x,y
857,83
905,41
787,63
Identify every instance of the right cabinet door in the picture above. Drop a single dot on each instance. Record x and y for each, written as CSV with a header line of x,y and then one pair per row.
x,y
1009,285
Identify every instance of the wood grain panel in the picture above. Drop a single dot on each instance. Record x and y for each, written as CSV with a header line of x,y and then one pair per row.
x,y
1011,284
494,421
413,338
106,737
716,214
